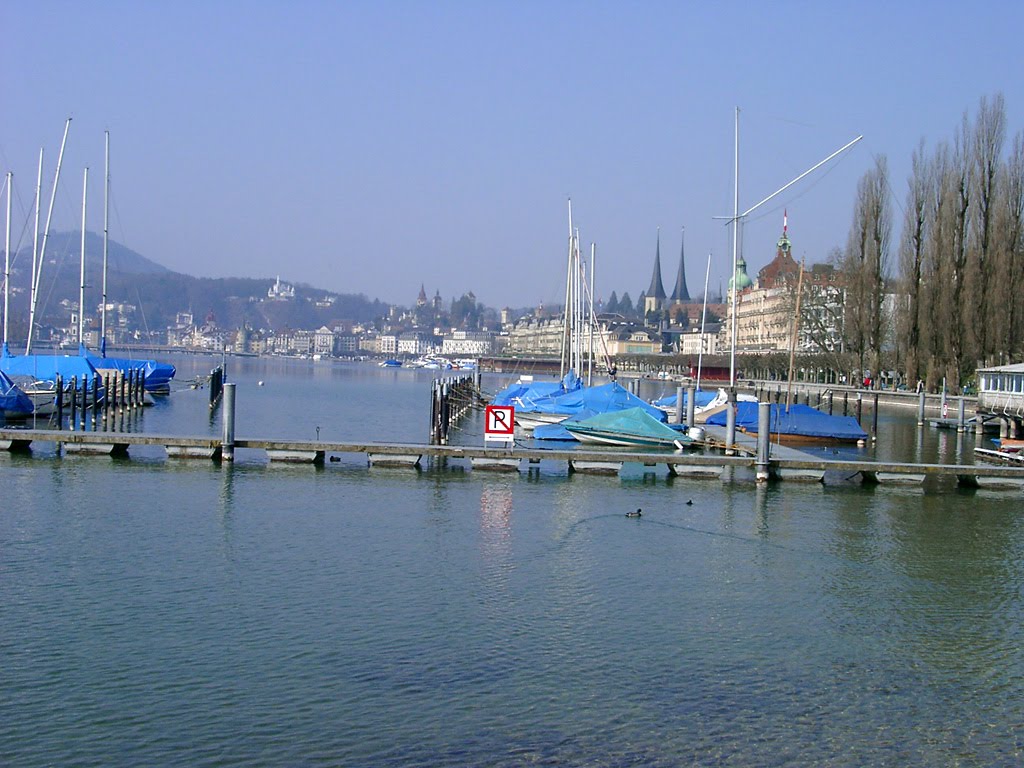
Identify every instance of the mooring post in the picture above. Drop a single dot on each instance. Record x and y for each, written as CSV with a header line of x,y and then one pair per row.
x,y
227,446
677,418
730,423
961,421
60,402
74,403
95,398
476,380
85,403
846,403
445,411
874,420
831,396
763,440
920,408
860,406
691,405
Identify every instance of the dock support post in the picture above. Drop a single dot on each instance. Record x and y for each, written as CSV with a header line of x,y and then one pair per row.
x,y
846,403
691,406
227,448
677,417
961,421
831,395
85,403
730,423
874,420
860,406
60,401
95,398
74,403
920,408
763,440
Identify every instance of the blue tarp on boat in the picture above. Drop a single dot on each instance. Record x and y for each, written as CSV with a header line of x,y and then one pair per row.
x,y
13,402
157,375
48,367
523,395
700,399
601,399
799,421
633,426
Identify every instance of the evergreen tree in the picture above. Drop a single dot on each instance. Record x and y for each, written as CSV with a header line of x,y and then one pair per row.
x,y
613,304
626,305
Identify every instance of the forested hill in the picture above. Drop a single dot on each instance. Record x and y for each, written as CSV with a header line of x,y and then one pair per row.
x,y
160,293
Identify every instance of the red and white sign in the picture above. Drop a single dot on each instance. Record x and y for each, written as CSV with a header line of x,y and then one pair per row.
x,y
499,423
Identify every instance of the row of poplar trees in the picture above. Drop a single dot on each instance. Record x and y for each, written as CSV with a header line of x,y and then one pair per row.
x,y
954,299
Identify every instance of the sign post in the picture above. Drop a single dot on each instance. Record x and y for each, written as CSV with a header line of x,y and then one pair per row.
x,y
499,424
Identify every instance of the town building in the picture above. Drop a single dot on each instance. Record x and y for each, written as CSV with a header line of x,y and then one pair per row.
x,y
765,308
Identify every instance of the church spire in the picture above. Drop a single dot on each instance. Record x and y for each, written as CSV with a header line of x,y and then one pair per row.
x,y
681,295
657,290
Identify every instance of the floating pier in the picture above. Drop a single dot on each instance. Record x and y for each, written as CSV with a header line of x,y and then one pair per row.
x,y
782,464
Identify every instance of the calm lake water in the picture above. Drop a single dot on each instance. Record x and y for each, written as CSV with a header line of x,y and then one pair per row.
x,y
158,612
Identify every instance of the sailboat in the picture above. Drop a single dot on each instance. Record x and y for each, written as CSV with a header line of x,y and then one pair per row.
x,y
39,376
156,375
14,403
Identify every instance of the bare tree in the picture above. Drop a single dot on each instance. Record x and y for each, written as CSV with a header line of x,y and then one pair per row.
x,y
985,151
912,263
865,265
1009,275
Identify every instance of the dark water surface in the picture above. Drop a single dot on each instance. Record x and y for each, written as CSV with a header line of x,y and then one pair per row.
x,y
158,612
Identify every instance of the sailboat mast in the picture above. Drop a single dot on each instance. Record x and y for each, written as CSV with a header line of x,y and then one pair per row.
x,y
35,251
735,245
46,235
577,325
590,323
565,312
81,271
106,237
7,257
703,319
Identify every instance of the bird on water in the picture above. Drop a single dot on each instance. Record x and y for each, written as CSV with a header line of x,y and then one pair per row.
x,y
633,514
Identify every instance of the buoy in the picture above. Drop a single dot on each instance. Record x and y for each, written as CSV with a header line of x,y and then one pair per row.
x,y
259,383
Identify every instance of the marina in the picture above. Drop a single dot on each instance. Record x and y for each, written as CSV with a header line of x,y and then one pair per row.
x,y
466,603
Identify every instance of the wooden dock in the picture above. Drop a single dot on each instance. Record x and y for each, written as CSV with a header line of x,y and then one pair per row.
x,y
784,463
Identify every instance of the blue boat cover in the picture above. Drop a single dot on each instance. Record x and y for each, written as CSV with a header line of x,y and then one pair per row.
x,y
800,420
48,367
524,395
630,422
701,398
12,400
601,399
158,375
553,432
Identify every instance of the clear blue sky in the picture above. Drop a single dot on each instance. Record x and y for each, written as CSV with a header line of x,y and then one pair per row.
x,y
369,147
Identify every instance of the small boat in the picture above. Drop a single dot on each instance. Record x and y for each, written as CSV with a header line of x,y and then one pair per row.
x,y
1009,445
14,404
799,424
632,427
555,408
391,364
705,403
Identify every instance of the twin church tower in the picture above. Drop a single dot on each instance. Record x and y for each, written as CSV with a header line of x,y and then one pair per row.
x,y
655,299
